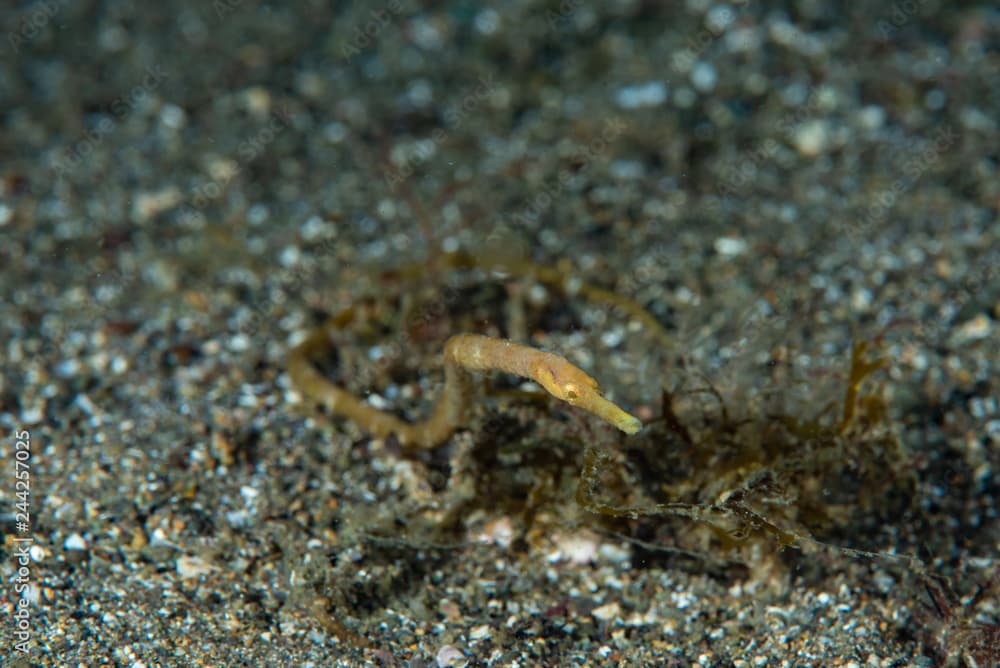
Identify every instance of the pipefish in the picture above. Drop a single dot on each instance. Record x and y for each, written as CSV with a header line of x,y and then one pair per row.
x,y
464,354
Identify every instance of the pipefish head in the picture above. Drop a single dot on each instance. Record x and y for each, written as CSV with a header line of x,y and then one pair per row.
x,y
570,384
565,381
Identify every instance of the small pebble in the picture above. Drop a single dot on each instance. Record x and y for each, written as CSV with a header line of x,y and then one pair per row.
x,y
812,138
975,329
480,632
637,96
450,657
75,542
607,612
192,567
730,246
704,77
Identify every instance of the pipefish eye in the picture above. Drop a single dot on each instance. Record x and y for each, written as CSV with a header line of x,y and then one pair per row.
x,y
570,390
